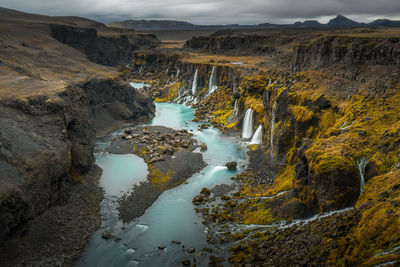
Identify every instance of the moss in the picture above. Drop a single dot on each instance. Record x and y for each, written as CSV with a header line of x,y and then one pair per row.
x,y
283,182
257,214
157,177
172,93
301,113
327,156
255,104
253,147
255,84
378,228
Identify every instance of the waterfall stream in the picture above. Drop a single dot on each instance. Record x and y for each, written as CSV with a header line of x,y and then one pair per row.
x,y
194,84
247,129
272,128
257,137
212,84
361,164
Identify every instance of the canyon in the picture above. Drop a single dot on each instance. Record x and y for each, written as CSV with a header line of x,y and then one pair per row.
x,y
316,110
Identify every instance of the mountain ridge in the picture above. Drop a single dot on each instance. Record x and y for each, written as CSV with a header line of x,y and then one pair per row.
x,y
339,21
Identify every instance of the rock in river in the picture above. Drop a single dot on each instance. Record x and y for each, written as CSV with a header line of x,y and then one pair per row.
x,y
203,147
107,235
231,165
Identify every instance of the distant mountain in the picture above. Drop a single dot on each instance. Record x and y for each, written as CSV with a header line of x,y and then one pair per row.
x,y
385,23
339,21
342,21
308,23
142,25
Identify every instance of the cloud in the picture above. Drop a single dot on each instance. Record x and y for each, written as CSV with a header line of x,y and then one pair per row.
x,y
212,11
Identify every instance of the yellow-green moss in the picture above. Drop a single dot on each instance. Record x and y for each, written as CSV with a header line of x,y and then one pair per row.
x,y
172,93
301,113
157,177
378,227
257,214
255,104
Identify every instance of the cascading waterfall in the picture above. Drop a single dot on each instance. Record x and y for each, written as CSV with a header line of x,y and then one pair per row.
x,y
271,139
257,137
361,164
212,83
247,130
194,84
235,109
269,81
177,73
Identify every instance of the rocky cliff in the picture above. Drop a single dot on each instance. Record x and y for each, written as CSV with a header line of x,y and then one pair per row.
x,y
53,103
61,131
349,52
103,49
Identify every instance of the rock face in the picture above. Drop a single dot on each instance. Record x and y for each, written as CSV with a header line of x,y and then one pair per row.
x,y
105,50
347,51
233,44
45,142
325,180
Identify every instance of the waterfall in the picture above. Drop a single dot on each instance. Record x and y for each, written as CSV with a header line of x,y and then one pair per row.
x,y
271,139
270,81
257,137
361,164
235,109
247,130
212,83
141,69
194,84
177,73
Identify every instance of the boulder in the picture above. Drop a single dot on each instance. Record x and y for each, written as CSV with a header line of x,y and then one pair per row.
x,y
203,147
107,235
185,262
231,165
191,250
199,199
128,131
205,191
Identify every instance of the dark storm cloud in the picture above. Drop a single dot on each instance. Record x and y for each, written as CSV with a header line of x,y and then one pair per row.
x,y
212,11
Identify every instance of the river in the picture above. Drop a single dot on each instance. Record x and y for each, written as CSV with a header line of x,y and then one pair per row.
x,y
172,215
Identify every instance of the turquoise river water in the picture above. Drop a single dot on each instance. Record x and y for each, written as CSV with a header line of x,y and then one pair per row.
x,y
171,216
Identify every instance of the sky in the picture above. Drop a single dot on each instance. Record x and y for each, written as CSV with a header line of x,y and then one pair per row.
x,y
213,11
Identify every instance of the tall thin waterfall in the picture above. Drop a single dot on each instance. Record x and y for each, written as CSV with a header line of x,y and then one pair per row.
x,y
235,109
212,83
269,81
271,139
194,84
361,164
177,73
247,130
257,137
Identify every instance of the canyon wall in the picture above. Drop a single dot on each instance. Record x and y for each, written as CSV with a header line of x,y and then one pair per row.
x,y
49,142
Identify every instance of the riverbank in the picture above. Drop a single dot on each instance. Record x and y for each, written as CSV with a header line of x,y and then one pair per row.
x,y
167,153
159,234
59,235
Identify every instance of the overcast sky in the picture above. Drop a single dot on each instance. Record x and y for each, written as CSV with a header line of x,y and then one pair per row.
x,y
213,11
